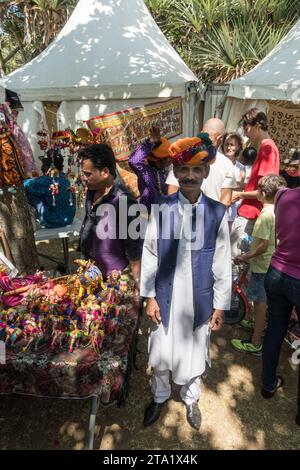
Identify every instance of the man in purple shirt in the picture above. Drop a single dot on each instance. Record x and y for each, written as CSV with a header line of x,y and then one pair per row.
x,y
150,162
104,235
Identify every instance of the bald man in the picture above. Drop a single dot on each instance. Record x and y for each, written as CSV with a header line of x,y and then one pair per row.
x,y
214,127
221,179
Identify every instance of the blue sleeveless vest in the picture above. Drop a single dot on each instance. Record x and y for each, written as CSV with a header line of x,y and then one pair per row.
x,y
202,261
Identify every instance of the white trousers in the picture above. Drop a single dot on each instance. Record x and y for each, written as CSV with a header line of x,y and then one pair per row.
x,y
161,388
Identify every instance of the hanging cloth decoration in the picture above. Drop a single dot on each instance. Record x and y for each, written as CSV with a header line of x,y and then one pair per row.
x,y
21,140
11,168
11,165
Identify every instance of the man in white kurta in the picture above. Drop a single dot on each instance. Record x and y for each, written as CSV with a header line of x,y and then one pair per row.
x,y
179,348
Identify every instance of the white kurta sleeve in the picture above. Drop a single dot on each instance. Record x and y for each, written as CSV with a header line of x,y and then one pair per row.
x,y
149,260
222,268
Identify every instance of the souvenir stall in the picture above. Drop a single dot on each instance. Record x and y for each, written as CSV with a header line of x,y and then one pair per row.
x,y
16,163
64,144
68,337
68,143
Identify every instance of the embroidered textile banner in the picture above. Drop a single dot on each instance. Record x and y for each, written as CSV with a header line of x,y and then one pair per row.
x,y
125,129
11,165
284,128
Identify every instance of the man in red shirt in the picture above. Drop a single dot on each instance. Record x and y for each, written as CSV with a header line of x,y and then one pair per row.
x,y
255,125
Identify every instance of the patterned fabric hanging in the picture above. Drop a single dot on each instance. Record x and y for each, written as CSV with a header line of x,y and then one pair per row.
x,y
11,165
20,139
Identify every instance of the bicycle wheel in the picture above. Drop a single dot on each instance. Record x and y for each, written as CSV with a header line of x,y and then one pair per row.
x,y
292,337
237,311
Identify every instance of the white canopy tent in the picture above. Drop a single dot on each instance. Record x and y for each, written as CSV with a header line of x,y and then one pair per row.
x,y
277,77
110,55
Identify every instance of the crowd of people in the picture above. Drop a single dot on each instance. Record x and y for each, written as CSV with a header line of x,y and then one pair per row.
x,y
200,197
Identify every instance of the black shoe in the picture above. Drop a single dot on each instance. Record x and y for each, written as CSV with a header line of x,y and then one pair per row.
x,y
297,419
152,412
193,415
267,394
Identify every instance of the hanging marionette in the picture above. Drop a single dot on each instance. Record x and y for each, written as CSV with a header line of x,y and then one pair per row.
x,y
43,141
61,141
54,187
53,172
73,189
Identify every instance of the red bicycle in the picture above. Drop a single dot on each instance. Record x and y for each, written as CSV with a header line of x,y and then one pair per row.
x,y
292,337
240,307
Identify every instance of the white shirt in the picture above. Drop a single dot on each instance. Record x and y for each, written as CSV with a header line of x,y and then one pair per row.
x,y
178,348
238,169
232,209
248,169
221,175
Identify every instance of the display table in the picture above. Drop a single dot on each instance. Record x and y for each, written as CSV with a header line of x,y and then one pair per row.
x,y
83,373
62,233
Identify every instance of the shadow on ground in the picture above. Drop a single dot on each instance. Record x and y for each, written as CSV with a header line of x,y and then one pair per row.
x,y
234,415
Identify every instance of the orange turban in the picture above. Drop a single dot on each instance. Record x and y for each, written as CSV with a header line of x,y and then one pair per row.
x,y
162,151
193,151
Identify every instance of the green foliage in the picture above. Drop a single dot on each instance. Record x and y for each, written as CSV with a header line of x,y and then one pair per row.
x,y
232,50
27,27
218,39
223,39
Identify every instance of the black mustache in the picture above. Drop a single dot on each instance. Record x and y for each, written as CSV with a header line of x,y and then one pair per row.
x,y
187,181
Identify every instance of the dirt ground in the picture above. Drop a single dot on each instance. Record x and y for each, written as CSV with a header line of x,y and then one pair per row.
x,y
234,415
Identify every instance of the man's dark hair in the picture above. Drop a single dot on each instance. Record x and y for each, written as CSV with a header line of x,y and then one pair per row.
x,y
14,100
292,182
254,116
294,157
53,158
249,156
101,155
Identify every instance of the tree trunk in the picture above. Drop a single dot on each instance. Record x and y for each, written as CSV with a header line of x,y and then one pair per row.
x,y
2,64
27,29
16,223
